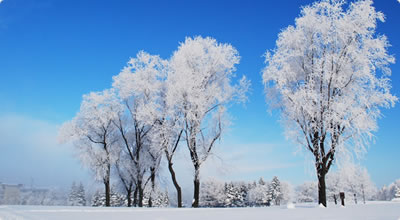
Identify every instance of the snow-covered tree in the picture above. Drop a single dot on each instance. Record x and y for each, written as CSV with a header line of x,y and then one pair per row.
x,y
98,199
77,195
329,76
397,195
200,74
287,193
351,179
157,196
212,194
72,194
258,195
333,186
168,130
307,192
274,191
81,198
116,199
387,193
236,194
93,134
261,181
138,87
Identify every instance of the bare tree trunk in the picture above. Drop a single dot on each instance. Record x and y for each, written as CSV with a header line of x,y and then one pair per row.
x,y
140,191
128,195
177,187
153,184
321,186
107,189
196,184
135,202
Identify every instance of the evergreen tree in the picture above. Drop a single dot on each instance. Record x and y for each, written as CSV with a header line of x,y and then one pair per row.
x,y
72,195
236,195
274,191
116,199
261,181
397,195
80,195
159,198
258,195
98,199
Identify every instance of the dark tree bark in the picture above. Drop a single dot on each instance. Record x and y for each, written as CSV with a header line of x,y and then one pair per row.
x,y
107,190
107,183
153,184
323,161
196,163
197,160
128,197
322,187
169,154
196,195
140,193
135,200
175,182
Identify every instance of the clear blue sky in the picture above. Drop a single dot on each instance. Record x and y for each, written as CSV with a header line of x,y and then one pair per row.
x,y
53,52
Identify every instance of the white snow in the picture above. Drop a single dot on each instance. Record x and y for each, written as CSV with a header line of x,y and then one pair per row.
x,y
290,206
370,211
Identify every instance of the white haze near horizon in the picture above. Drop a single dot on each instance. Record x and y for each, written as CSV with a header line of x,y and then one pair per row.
x,y
31,154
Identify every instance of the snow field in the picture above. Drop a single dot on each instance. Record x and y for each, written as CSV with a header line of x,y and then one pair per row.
x,y
370,211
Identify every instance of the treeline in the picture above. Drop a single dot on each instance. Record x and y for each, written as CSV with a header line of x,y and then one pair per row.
x,y
244,194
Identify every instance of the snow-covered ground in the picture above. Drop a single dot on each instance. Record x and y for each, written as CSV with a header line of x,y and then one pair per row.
x,y
374,210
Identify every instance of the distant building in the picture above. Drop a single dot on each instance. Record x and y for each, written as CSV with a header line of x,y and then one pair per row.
x,y
10,194
17,194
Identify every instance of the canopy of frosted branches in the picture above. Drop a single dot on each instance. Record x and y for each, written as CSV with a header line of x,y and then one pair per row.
x,y
329,73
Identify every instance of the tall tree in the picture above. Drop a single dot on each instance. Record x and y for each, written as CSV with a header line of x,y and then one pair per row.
x,y
138,87
168,131
93,134
201,71
329,76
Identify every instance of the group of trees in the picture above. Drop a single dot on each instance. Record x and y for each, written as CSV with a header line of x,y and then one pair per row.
x,y
387,193
354,181
154,107
243,194
351,179
77,195
328,76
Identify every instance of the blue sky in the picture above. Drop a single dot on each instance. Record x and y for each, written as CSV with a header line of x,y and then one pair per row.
x,y
53,52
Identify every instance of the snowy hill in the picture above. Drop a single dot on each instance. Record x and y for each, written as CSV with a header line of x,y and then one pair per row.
x,y
370,211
